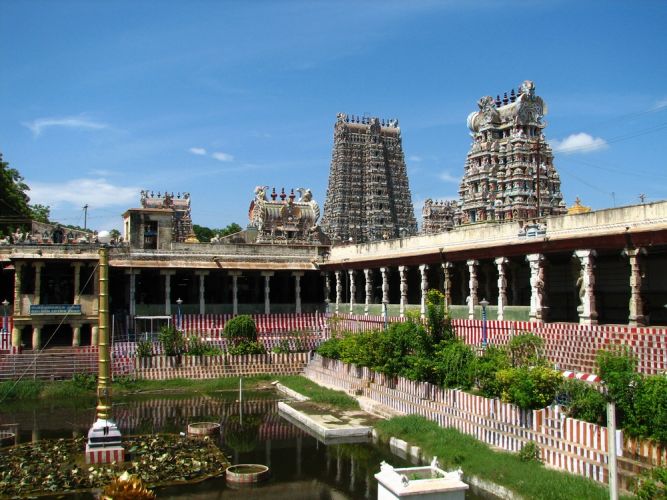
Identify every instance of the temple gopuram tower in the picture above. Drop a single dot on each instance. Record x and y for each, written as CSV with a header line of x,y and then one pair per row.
x,y
368,197
509,173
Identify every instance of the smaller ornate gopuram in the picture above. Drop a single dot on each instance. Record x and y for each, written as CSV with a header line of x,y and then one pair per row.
x,y
282,218
163,219
509,173
438,215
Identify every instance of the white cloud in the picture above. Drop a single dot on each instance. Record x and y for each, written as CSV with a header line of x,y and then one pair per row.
x,y
415,158
578,143
222,156
662,103
447,177
98,193
38,125
197,151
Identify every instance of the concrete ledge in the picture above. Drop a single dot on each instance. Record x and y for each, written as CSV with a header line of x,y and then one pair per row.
x,y
320,428
290,392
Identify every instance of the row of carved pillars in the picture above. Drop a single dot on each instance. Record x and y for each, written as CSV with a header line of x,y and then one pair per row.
x,y
538,310
235,275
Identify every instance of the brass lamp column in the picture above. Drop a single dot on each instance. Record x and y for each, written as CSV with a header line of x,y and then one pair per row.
x,y
104,440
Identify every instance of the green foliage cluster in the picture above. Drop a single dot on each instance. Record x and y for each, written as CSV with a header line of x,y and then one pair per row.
x,y
583,401
439,322
641,401
529,387
171,338
205,234
652,485
319,394
517,374
87,381
243,348
529,452
240,329
144,349
199,347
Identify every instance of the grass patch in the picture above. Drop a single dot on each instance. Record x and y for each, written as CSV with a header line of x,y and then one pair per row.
x,y
454,449
319,394
12,390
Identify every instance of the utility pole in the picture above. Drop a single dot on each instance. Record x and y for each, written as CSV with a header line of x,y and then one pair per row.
x,y
85,216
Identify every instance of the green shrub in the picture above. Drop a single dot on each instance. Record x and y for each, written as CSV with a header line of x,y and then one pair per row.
x,y
617,368
652,484
361,348
526,349
172,340
439,323
583,401
419,368
649,412
454,365
20,389
530,452
391,347
486,366
243,348
199,347
330,348
529,388
144,349
86,381
283,347
241,328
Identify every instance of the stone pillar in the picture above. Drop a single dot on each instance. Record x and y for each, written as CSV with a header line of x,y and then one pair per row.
x,y
235,291
501,263
167,291
447,270
339,290
16,331
297,290
36,337
472,285
385,285
77,282
424,286
353,289
132,273
94,334
403,273
327,290
76,335
636,317
202,284
267,291
536,264
368,282
586,285
38,282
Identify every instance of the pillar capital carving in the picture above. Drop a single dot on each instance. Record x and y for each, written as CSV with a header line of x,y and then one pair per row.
x,y
202,272
586,285
267,274
536,264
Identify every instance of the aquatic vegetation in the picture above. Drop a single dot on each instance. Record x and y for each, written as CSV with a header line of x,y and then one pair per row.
x,y
57,466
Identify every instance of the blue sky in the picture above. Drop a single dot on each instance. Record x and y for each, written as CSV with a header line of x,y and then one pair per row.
x,y
102,99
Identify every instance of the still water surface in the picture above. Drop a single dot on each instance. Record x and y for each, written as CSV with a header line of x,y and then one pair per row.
x,y
301,466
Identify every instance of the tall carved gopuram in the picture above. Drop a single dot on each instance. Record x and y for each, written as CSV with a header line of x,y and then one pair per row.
x,y
368,197
509,173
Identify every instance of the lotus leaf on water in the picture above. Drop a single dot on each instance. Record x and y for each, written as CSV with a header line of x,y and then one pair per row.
x,y
56,465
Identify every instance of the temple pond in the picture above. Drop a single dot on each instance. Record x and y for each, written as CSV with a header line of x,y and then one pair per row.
x,y
254,432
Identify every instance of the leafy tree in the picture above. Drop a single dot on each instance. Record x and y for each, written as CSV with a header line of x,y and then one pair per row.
x,y
241,329
205,234
13,197
230,229
115,234
40,213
